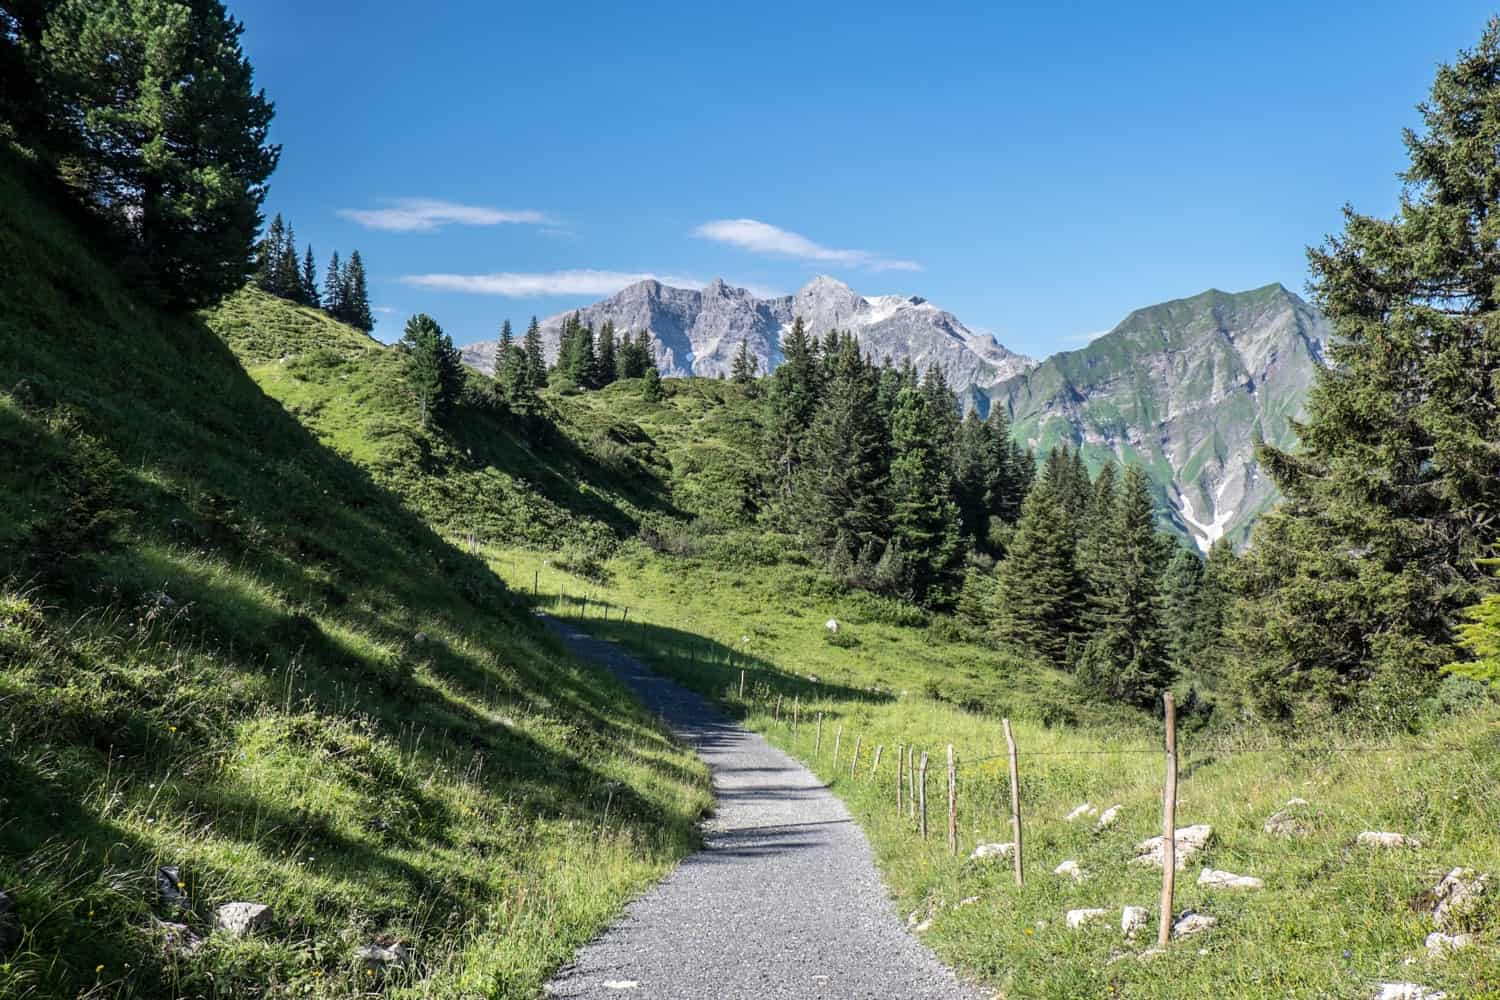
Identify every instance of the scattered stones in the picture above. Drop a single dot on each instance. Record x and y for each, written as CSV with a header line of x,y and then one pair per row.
x,y
1084,810
1457,895
242,919
1077,918
10,924
1440,944
176,939
1284,822
171,889
1189,841
966,901
380,958
1107,818
992,851
1191,923
1214,879
1071,870
1132,920
1405,991
1392,841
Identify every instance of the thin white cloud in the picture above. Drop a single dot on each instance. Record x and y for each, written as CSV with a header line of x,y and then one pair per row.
x,y
1084,338
521,285
386,310
764,238
425,215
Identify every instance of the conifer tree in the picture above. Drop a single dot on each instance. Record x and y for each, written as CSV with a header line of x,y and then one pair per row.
x,y
1096,532
333,288
1353,587
646,351
434,372
309,279
972,455
840,478
1003,489
651,389
270,252
745,365
536,361
924,519
1038,593
791,402
608,362
1126,657
355,298
288,271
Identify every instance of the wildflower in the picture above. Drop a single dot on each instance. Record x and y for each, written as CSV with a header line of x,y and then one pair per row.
x,y
98,969
1028,932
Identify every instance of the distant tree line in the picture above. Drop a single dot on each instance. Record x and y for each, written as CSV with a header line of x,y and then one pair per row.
x,y
145,110
279,271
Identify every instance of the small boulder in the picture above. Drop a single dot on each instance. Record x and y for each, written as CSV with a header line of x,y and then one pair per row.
x,y
176,939
1390,841
1457,895
832,625
1285,822
1107,818
242,919
1071,870
1440,944
10,924
1084,810
419,638
380,958
1078,918
1191,923
1214,879
992,851
171,889
1189,841
1405,991
966,901
1132,920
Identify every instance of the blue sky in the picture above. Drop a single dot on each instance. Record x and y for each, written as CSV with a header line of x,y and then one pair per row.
x,y
1039,170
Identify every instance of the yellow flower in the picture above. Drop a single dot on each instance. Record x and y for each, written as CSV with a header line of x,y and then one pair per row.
x,y
1028,931
98,969
181,885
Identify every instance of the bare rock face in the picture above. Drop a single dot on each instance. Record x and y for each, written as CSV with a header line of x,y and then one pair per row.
x,y
242,919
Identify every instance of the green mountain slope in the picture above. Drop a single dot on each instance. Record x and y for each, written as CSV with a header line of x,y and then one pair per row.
x,y
226,646
1184,388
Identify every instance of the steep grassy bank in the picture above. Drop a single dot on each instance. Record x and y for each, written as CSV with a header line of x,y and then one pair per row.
x,y
1332,920
226,646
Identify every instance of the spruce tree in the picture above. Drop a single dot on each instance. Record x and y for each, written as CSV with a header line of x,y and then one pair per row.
x,y
171,134
651,389
1126,657
1096,531
972,454
607,368
333,288
1004,490
309,279
924,519
1353,587
646,351
270,252
288,271
536,361
434,373
839,500
1038,594
745,365
355,297
791,402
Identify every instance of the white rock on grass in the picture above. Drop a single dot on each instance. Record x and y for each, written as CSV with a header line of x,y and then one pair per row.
x,y
376,960
1107,818
1191,923
1084,810
966,901
1214,879
992,851
832,625
176,939
1077,918
1406,991
1457,895
1071,870
1189,841
1132,920
1440,944
1285,822
242,919
1385,839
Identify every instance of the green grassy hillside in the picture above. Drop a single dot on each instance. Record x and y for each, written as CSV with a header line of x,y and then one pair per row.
x,y
226,644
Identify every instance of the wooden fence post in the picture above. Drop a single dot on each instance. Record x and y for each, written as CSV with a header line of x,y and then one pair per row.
x,y
911,782
536,580
838,737
1168,826
796,710
818,743
922,791
1015,802
778,708
742,685
900,780
875,767
854,761
952,802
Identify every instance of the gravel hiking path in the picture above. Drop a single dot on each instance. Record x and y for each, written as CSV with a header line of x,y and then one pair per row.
x,y
783,900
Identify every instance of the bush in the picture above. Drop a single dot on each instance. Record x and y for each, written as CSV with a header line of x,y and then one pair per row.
x,y
841,639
